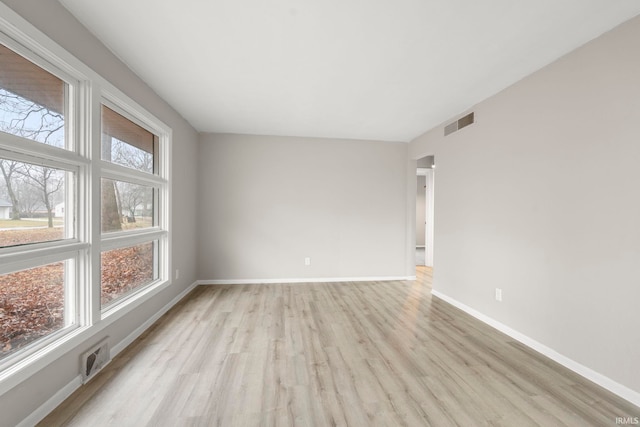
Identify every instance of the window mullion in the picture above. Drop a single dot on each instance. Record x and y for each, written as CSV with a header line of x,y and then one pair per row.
x,y
34,258
122,173
121,240
93,217
16,148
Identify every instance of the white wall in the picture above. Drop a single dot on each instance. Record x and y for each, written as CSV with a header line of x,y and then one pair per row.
x,y
51,18
425,162
540,198
268,202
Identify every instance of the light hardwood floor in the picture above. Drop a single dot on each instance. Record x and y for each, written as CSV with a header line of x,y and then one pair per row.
x,y
357,354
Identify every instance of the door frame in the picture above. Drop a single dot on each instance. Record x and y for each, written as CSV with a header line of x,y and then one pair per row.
x,y
429,214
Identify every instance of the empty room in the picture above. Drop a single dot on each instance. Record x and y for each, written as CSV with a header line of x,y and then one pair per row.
x,y
287,212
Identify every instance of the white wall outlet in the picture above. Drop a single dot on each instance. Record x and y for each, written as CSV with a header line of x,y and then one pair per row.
x,y
177,274
307,261
498,294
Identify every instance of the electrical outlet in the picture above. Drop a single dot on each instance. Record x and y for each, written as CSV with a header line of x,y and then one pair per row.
x,y
498,294
177,274
307,261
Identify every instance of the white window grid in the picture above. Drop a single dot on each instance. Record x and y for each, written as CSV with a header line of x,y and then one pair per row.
x,y
159,183
86,91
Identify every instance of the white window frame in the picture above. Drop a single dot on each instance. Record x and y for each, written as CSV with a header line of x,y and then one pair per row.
x,y
24,257
88,90
158,182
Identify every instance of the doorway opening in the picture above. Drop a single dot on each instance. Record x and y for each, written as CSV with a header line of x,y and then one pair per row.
x,y
424,211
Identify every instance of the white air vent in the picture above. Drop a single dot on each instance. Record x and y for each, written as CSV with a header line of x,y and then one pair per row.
x,y
94,359
459,124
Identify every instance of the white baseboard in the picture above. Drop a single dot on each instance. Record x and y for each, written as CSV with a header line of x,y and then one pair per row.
x,y
36,416
43,410
588,373
303,280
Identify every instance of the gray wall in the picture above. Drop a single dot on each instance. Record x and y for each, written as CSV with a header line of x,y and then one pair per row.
x,y
425,162
540,198
268,202
421,209
52,19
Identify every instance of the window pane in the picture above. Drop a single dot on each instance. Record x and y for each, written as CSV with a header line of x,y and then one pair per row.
x,y
126,206
125,269
33,203
126,143
31,305
32,100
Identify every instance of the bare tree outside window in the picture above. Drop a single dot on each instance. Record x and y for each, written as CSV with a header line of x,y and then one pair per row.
x,y
126,154
133,201
27,119
126,144
29,201
47,182
9,169
137,200
42,194
110,210
21,117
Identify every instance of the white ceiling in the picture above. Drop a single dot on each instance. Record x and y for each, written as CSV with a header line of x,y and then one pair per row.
x,y
364,69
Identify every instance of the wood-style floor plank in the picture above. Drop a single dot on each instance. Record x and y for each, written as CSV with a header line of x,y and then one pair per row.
x,y
332,354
